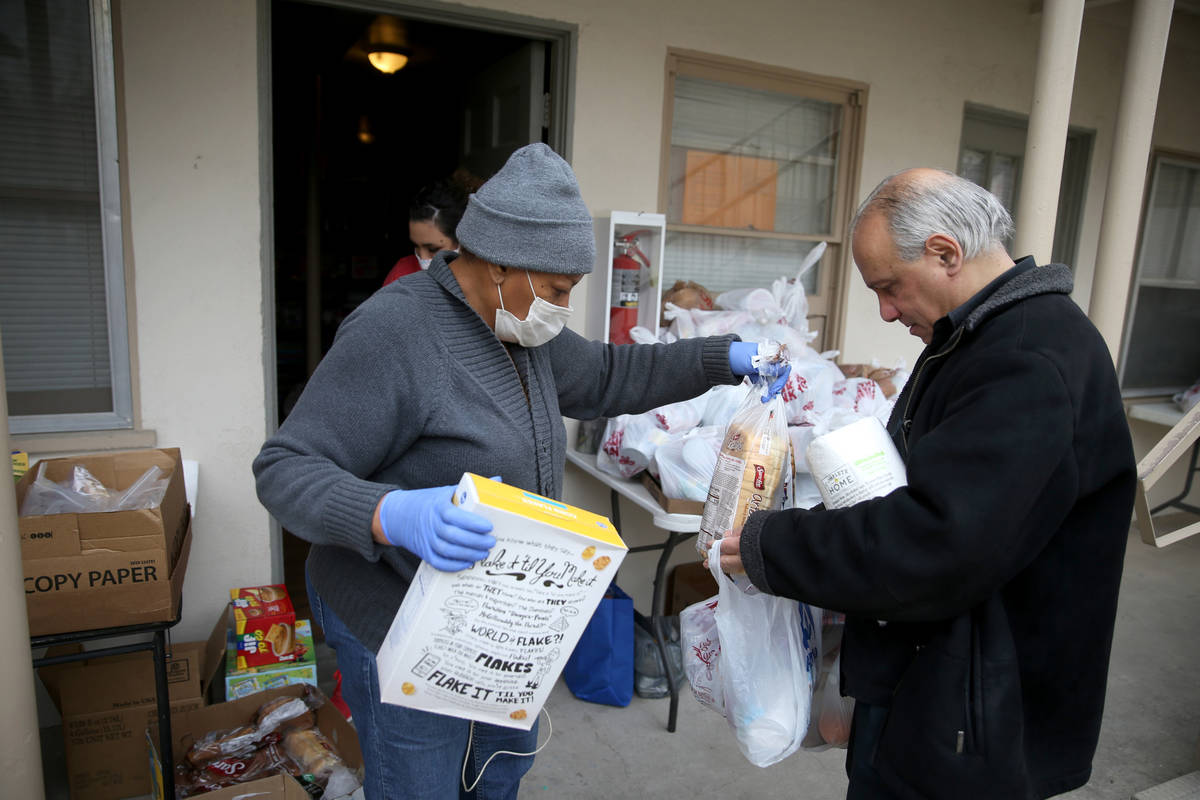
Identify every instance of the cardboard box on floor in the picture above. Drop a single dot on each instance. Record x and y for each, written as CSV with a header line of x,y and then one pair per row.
x,y
190,726
101,570
106,704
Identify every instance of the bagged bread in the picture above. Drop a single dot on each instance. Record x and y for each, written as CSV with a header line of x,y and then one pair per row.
x,y
755,467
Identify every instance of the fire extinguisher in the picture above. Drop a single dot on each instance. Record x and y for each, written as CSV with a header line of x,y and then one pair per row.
x,y
626,285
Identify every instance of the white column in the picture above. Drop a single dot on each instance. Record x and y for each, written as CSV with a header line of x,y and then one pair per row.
x,y
1127,171
20,740
1041,173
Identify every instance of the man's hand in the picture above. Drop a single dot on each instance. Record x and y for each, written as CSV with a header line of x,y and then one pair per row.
x,y
731,552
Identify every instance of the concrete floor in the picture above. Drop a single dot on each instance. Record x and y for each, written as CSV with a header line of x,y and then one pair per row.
x,y
1150,735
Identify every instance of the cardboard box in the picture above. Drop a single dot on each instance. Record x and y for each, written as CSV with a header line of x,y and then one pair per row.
x,y
687,584
242,681
190,726
88,571
106,704
671,505
264,625
489,642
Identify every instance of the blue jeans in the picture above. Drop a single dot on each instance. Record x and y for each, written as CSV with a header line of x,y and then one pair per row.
x,y
414,754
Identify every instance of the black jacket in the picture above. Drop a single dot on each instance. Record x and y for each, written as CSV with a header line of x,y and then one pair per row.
x,y
997,568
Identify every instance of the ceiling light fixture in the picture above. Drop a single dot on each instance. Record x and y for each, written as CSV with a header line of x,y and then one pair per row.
x,y
387,44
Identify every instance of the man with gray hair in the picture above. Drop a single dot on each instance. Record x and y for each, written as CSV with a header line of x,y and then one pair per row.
x,y
980,599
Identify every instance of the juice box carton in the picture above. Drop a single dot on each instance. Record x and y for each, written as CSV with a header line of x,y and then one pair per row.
x,y
488,643
264,625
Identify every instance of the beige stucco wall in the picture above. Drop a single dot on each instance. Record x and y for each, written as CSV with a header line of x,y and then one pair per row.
x,y
195,208
192,127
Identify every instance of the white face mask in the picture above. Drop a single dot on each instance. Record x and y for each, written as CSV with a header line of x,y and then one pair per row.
x,y
424,262
543,322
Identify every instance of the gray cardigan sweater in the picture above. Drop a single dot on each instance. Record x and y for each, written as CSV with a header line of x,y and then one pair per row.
x,y
415,391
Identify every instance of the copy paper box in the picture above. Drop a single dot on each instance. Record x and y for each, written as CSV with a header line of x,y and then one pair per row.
x,y
489,642
264,625
243,681
98,570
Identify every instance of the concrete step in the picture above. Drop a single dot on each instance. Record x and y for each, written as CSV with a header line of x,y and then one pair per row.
x,y
1185,787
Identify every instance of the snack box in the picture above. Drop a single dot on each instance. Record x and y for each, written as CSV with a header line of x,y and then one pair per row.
x,y
243,681
488,643
264,625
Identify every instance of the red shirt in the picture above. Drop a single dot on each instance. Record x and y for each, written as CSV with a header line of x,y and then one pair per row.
x,y
405,266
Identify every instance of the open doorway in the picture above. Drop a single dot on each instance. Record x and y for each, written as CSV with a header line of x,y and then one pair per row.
x,y
352,146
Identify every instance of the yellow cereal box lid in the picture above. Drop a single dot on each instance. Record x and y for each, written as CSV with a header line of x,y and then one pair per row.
x,y
554,512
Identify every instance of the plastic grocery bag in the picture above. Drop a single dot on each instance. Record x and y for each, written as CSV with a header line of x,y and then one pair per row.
x,y
834,712
755,467
608,456
685,464
702,653
768,661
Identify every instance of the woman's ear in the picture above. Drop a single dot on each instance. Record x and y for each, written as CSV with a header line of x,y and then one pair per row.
x,y
496,273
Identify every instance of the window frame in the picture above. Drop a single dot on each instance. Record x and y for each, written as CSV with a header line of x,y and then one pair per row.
x,y
830,300
1157,157
1073,184
112,248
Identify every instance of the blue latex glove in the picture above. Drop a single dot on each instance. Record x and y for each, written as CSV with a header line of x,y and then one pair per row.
x,y
741,355
428,524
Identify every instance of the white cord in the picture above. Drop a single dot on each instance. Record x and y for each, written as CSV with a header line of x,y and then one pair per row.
x,y
471,739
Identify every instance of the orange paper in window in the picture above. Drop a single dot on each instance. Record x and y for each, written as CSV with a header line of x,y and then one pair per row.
x,y
729,191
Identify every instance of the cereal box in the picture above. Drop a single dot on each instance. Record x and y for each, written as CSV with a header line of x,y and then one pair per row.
x,y
264,626
489,642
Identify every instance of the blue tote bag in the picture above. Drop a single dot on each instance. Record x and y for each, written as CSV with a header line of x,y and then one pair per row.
x,y
601,668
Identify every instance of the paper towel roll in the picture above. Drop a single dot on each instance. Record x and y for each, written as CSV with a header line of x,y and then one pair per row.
x,y
855,463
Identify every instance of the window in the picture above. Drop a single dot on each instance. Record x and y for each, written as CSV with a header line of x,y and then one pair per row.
x,y
1162,329
991,153
62,310
757,168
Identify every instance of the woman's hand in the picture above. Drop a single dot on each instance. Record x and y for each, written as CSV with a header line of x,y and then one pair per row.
x,y
741,362
428,524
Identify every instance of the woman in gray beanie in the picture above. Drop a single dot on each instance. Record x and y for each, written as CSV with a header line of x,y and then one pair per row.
x,y
465,367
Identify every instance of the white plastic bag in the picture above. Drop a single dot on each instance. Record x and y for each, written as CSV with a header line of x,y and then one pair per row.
x,y
768,662
834,712
641,438
608,456
702,653
685,464
723,403
680,417
863,396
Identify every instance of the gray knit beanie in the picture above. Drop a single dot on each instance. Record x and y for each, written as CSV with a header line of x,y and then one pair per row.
x,y
530,215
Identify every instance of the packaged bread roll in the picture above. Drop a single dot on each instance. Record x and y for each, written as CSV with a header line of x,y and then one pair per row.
x,y
755,467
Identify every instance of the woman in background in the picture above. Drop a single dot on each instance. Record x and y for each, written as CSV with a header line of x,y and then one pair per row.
x,y
432,221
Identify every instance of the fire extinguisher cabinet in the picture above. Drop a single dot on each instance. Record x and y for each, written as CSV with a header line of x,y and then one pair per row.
x,y
626,285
